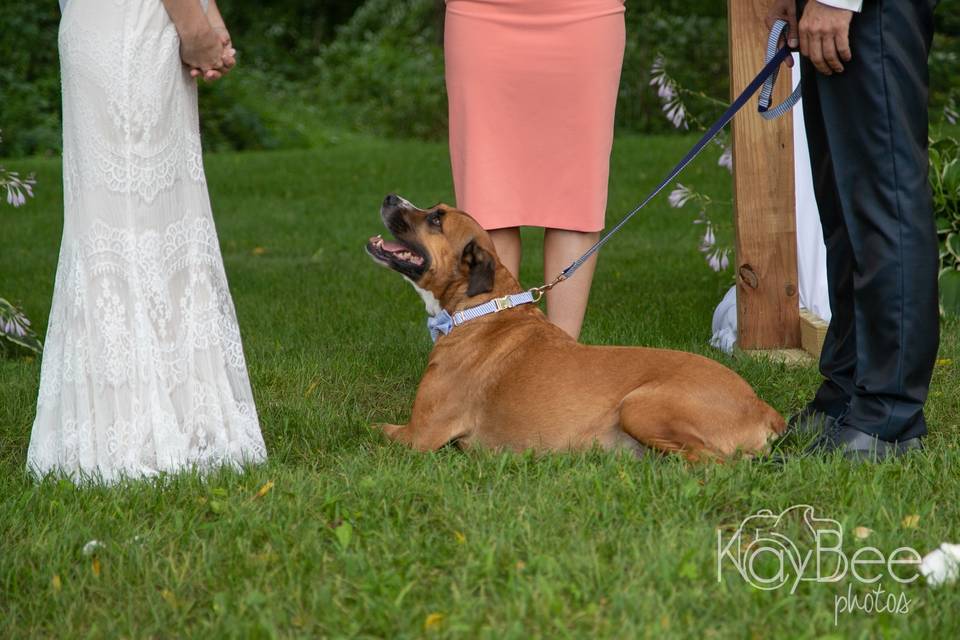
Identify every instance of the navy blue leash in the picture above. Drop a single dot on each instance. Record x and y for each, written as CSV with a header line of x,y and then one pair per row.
x,y
765,79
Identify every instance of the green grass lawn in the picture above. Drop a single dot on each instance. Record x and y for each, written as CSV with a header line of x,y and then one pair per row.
x,y
361,538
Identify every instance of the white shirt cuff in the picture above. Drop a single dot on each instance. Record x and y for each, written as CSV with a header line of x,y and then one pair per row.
x,y
851,5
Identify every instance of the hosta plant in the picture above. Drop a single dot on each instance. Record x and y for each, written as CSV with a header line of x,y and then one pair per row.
x,y
714,215
945,181
15,331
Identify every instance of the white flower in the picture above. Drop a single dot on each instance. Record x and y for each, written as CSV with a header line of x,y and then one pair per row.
x,y
91,547
18,189
658,72
709,239
718,260
726,158
13,323
950,111
713,262
942,565
676,113
680,196
666,92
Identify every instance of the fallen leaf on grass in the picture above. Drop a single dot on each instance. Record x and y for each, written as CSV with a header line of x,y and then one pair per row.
x,y
432,621
267,555
911,522
56,583
461,539
862,533
95,567
258,251
344,534
310,389
690,571
944,362
264,490
171,599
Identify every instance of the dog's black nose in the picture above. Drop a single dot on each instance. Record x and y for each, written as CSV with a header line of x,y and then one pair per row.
x,y
392,200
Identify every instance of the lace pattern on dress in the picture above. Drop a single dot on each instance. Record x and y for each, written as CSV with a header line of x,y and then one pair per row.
x,y
120,121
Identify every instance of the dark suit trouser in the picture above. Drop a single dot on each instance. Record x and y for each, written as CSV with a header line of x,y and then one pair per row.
x,y
867,132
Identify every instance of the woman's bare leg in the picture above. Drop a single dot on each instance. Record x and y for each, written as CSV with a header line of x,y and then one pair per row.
x,y
567,303
507,243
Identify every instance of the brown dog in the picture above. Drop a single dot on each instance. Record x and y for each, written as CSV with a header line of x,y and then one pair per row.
x,y
513,380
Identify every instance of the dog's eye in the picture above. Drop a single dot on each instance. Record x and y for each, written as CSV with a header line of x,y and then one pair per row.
x,y
435,219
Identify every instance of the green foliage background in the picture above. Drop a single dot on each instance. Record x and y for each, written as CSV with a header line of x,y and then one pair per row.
x,y
374,66
945,180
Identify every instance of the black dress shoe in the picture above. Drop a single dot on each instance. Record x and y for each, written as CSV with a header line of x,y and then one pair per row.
x,y
810,421
857,445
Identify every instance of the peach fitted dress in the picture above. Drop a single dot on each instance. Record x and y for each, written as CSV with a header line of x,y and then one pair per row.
x,y
533,87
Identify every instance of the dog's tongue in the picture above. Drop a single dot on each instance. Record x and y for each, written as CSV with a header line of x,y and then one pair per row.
x,y
393,247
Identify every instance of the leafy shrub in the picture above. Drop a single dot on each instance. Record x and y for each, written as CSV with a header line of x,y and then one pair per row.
x,y
945,180
29,77
945,57
234,114
232,111
378,66
284,36
384,71
696,46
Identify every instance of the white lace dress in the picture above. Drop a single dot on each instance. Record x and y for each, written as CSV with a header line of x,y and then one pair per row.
x,y
143,369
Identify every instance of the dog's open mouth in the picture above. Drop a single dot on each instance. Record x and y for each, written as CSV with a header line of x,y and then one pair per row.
x,y
396,255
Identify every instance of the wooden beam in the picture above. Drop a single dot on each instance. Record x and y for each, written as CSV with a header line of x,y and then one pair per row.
x,y
768,310
813,332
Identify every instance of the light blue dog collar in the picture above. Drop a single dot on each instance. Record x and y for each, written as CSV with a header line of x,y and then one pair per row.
x,y
444,323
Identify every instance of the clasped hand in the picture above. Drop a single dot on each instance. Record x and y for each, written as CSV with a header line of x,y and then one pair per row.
x,y
208,52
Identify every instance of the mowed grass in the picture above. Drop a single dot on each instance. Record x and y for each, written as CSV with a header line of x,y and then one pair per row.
x,y
360,538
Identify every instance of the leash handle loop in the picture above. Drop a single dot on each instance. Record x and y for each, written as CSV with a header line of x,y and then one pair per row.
x,y
780,28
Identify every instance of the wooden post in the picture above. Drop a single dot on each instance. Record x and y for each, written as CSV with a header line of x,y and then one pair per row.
x,y
768,314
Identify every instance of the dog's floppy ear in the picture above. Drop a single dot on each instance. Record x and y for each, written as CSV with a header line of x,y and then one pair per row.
x,y
480,265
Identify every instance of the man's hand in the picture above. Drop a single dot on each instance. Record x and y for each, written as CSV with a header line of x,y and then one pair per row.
x,y
825,37
785,10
